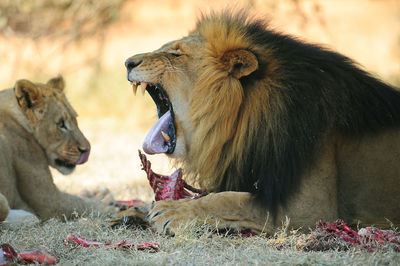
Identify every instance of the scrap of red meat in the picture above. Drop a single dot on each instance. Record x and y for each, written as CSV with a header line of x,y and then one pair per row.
x,y
338,235
9,255
169,187
81,241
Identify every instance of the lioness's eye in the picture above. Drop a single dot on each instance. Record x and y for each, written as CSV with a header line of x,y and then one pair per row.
x,y
175,55
61,124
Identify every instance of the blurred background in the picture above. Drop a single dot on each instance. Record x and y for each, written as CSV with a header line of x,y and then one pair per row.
x,y
87,41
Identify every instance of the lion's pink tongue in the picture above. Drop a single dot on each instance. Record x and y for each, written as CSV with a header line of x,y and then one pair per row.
x,y
83,158
154,141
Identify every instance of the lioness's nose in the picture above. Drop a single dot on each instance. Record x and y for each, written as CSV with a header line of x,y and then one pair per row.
x,y
130,64
82,150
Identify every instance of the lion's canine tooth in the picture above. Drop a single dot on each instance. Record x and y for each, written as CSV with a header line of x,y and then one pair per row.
x,y
143,86
165,136
134,87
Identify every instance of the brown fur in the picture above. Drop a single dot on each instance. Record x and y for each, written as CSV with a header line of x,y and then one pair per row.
x,y
281,120
38,126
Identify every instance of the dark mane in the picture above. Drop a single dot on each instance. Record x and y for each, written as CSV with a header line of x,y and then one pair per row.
x,y
320,91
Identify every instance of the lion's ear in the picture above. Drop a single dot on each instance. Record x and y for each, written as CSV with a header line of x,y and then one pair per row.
x,y
27,93
57,83
239,63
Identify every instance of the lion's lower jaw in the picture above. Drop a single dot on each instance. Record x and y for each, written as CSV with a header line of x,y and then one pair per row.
x,y
64,170
180,149
61,168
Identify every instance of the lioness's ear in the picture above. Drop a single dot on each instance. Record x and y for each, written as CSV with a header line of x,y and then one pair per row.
x,y
57,83
27,93
239,63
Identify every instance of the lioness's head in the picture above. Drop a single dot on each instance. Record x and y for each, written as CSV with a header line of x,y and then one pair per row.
x,y
53,121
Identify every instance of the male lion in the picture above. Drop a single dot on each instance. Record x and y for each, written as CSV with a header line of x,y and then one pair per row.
x,y
38,128
273,126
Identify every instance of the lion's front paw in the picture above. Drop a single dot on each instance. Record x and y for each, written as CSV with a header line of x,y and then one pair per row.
x,y
215,211
168,216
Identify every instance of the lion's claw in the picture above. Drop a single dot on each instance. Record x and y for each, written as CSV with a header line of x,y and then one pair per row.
x,y
168,215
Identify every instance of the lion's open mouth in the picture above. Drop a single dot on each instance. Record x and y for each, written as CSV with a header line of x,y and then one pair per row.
x,y
162,136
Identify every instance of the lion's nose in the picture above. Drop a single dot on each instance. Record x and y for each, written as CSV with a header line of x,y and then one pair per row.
x,y
130,64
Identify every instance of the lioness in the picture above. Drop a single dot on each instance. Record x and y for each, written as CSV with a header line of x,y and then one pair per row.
x,y
273,126
38,128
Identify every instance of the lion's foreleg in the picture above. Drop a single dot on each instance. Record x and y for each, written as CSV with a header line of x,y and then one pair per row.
x,y
222,210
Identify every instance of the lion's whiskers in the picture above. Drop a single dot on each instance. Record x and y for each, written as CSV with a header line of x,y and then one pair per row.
x,y
172,69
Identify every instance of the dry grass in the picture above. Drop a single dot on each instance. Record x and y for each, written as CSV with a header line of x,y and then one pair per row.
x,y
187,249
116,122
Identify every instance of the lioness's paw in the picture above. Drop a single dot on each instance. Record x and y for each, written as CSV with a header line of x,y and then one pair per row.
x,y
102,194
169,216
